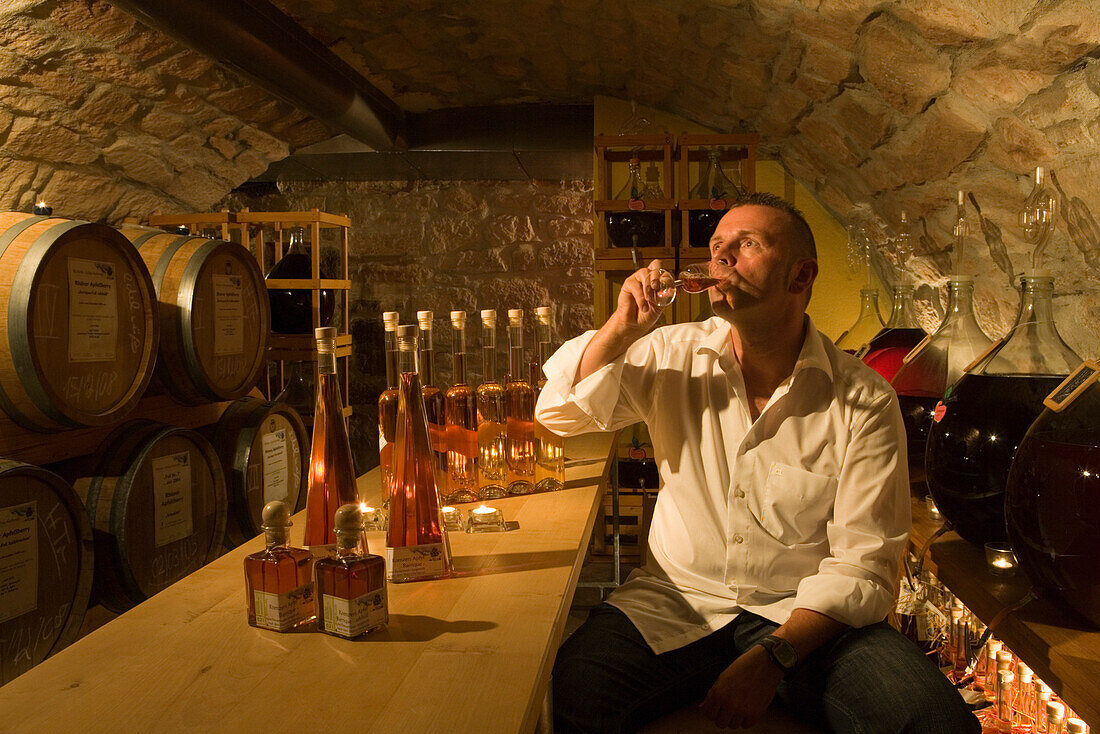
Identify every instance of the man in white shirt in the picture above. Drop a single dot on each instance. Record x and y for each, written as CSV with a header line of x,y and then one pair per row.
x,y
784,508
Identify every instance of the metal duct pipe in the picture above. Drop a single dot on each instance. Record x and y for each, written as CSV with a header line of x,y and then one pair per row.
x,y
260,42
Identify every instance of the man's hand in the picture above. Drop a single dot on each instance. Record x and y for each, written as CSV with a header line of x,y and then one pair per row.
x,y
635,310
744,690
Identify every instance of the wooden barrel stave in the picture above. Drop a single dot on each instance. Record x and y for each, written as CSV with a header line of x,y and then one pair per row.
x,y
139,551
61,587
66,367
245,438
213,311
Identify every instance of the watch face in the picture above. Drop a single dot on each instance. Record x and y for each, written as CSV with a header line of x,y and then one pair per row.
x,y
781,651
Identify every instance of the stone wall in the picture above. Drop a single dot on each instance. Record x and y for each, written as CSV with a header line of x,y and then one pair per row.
x,y
104,119
449,245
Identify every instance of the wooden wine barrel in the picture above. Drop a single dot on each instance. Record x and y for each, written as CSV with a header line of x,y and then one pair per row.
x,y
264,449
157,502
78,337
214,314
45,566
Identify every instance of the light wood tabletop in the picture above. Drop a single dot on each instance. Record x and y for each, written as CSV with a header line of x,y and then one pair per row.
x,y
470,653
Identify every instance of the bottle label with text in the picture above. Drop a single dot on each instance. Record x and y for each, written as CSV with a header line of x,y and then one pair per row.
x,y
353,617
416,560
281,612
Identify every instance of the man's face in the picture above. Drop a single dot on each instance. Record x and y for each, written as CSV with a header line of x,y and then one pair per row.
x,y
751,250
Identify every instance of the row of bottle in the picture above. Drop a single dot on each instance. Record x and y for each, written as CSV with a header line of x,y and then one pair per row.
x,y
289,588
485,441
1008,696
642,226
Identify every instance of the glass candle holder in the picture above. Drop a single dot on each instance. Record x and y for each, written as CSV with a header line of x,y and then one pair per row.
x,y
485,519
999,558
452,518
933,511
374,518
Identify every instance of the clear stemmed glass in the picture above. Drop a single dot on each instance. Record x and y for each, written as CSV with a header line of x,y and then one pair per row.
x,y
694,278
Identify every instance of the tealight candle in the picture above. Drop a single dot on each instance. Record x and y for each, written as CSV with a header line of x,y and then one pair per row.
x,y
933,511
1000,558
373,517
452,518
485,519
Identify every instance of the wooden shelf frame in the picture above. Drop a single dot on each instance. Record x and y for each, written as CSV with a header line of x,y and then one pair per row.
x,y
691,148
620,149
225,221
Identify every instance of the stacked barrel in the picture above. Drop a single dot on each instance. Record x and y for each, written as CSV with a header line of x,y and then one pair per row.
x,y
92,319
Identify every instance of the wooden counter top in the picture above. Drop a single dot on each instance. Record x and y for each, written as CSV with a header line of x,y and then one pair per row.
x,y
466,654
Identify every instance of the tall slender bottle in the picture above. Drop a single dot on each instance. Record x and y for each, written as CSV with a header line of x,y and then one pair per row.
x,y
351,587
549,450
519,402
433,397
491,423
416,542
387,405
331,471
460,408
279,579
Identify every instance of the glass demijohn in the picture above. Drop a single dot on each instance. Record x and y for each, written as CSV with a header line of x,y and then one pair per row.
x,y
636,226
718,191
866,326
292,308
460,408
888,348
279,579
351,587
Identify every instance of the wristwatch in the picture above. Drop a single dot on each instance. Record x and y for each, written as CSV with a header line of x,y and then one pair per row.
x,y
781,651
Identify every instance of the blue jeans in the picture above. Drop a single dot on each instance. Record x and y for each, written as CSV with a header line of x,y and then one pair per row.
x,y
865,681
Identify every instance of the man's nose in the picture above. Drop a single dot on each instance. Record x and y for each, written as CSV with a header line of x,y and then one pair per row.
x,y
725,253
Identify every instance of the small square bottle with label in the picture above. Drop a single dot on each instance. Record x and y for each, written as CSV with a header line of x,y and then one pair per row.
x,y
351,587
279,579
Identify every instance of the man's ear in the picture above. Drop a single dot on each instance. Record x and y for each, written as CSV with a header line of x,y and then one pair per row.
x,y
803,274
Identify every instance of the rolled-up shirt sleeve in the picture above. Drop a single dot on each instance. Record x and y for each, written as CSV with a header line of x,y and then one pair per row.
x,y
616,395
871,521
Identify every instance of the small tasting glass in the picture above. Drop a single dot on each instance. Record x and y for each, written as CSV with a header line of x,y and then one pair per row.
x,y
485,519
999,558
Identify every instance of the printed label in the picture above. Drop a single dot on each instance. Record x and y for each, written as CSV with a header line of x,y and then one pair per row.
x,y
228,315
939,412
353,617
275,463
18,560
718,204
636,205
281,612
93,311
415,561
1072,387
172,498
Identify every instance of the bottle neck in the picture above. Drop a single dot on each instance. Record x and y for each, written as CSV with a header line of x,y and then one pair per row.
x,y
903,315
1037,301
326,361
868,305
297,244
407,361
515,352
347,544
391,360
276,537
636,186
460,356
427,361
489,354
960,302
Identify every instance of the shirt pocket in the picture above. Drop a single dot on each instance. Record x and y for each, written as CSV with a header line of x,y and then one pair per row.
x,y
796,504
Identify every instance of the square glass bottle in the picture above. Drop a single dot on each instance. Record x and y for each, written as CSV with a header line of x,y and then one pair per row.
x,y
351,587
279,579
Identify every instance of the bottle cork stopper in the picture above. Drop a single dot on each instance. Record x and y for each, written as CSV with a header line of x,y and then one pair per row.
x,y
407,331
458,318
488,317
1055,711
635,162
349,519
1042,689
390,319
1005,678
515,314
1075,726
325,332
275,515
424,318
543,312
1024,672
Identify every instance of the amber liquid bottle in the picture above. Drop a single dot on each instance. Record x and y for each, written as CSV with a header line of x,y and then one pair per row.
x,y
549,450
460,408
416,543
491,423
351,588
331,471
387,407
519,408
433,398
279,579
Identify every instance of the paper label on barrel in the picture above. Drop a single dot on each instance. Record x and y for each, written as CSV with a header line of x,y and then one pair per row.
x,y
275,466
281,612
415,561
353,617
172,498
228,315
93,311
18,560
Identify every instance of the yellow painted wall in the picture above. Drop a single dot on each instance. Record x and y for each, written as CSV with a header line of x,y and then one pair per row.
x,y
835,302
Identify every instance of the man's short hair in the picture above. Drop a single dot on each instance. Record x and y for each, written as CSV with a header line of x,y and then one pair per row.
x,y
804,245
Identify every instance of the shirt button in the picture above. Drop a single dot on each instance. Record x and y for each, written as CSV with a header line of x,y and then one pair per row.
x,y
739,494
738,539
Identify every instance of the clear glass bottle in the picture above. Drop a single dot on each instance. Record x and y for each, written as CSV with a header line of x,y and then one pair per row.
x,y
416,541
549,446
867,325
888,348
1041,694
460,411
491,421
983,417
939,362
331,470
636,226
1051,507
351,587
292,308
433,397
519,402
719,191
1021,696
1055,717
279,579
387,406
297,392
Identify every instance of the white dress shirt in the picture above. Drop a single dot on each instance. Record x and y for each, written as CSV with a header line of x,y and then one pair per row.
x,y
806,507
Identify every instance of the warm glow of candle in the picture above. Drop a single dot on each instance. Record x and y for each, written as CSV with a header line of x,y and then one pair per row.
x,y
483,510
1002,563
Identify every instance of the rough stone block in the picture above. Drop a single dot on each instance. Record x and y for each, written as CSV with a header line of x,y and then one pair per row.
x,y
935,142
997,85
140,159
32,139
262,143
78,195
958,22
17,179
1017,147
107,106
905,69
832,142
161,124
187,65
59,83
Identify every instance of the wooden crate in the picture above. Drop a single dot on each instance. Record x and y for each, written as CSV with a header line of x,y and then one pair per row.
x,y
634,510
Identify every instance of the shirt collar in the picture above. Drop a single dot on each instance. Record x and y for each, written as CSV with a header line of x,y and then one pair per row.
x,y
812,354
